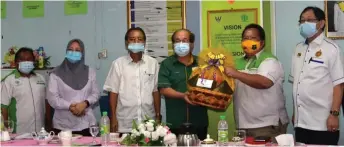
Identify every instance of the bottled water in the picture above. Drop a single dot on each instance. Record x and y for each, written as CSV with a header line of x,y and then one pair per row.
x,y
105,128
222,133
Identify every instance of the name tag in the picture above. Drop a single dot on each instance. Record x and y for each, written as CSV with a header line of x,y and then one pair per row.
x,y
41,82
204,83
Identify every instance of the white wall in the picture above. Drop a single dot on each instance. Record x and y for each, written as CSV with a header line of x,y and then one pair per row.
x,y
287,33
103,27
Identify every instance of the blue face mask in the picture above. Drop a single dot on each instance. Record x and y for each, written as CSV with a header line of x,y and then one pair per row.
x,y
73,56
181,49
136,47
308,29
26,67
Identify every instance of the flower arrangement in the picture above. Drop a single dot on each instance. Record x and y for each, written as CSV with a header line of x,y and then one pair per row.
x,y
150,133
10,55
41,59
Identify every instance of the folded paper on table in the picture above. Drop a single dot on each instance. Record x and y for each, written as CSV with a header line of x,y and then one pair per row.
x,y
285,140
208,84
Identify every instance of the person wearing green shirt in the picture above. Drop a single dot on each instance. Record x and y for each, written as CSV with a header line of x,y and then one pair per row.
x,y
173,74
259,102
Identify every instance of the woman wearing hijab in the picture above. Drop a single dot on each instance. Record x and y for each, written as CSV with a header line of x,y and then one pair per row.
x,y
72,90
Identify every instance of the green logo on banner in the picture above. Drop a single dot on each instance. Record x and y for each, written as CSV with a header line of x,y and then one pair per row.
x,y
244,18
218,18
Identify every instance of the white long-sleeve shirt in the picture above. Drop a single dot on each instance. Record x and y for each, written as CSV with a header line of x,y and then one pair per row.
x,y
60,96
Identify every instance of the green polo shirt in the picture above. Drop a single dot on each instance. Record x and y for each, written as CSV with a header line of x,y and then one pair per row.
x,y
174,74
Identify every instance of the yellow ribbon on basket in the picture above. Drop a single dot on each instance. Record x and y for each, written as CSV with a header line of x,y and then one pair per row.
x,y
216,60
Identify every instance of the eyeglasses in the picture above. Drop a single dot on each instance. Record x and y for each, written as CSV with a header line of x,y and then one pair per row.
x,y
308,20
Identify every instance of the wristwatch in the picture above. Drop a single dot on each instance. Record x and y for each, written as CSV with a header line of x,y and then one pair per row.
x,y
87,103
334,113
158,116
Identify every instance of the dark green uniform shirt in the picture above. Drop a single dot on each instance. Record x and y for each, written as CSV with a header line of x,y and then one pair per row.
x,y
174,74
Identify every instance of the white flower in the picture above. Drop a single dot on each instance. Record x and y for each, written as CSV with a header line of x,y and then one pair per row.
x,y
152,121
135,133
150,129
162,131
150,126
170,139
147,134
141,128
155,136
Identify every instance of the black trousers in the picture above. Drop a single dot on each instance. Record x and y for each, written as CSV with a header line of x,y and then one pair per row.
x,y
200,131
316,137
84,132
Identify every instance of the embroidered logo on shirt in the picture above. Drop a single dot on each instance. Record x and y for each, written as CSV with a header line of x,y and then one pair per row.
x,y
17,82
41,82
298,54
318,53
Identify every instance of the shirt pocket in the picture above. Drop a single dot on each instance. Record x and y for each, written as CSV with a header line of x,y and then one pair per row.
x,y
317,66
148,77
176,77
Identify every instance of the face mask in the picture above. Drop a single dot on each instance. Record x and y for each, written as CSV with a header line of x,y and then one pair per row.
x,y
250,46
26,67
73,56
136,47
181,49
308,29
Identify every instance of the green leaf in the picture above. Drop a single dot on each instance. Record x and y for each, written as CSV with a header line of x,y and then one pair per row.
x,y
134,126
147,118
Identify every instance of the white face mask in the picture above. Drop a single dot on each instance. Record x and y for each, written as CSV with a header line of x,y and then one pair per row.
x,y
181,49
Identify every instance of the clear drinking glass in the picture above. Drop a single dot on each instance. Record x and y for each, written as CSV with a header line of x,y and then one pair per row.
x,y
239,137
94,130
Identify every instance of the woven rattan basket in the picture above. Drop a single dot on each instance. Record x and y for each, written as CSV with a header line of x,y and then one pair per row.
x,y
208,85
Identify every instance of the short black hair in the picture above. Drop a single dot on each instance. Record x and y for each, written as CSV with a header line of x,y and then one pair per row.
x,y
22,50
255,26
191,35
135,29
319,14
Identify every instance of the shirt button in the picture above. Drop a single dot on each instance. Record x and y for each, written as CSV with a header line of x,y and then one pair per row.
x,y
305,61
299,106
307,50
299,82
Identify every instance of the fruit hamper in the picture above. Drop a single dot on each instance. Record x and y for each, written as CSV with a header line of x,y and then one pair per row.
x,y
208,84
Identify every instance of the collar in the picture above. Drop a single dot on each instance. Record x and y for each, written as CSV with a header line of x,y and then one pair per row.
x,y
316,41
130,60
256,55
18,75
193,60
